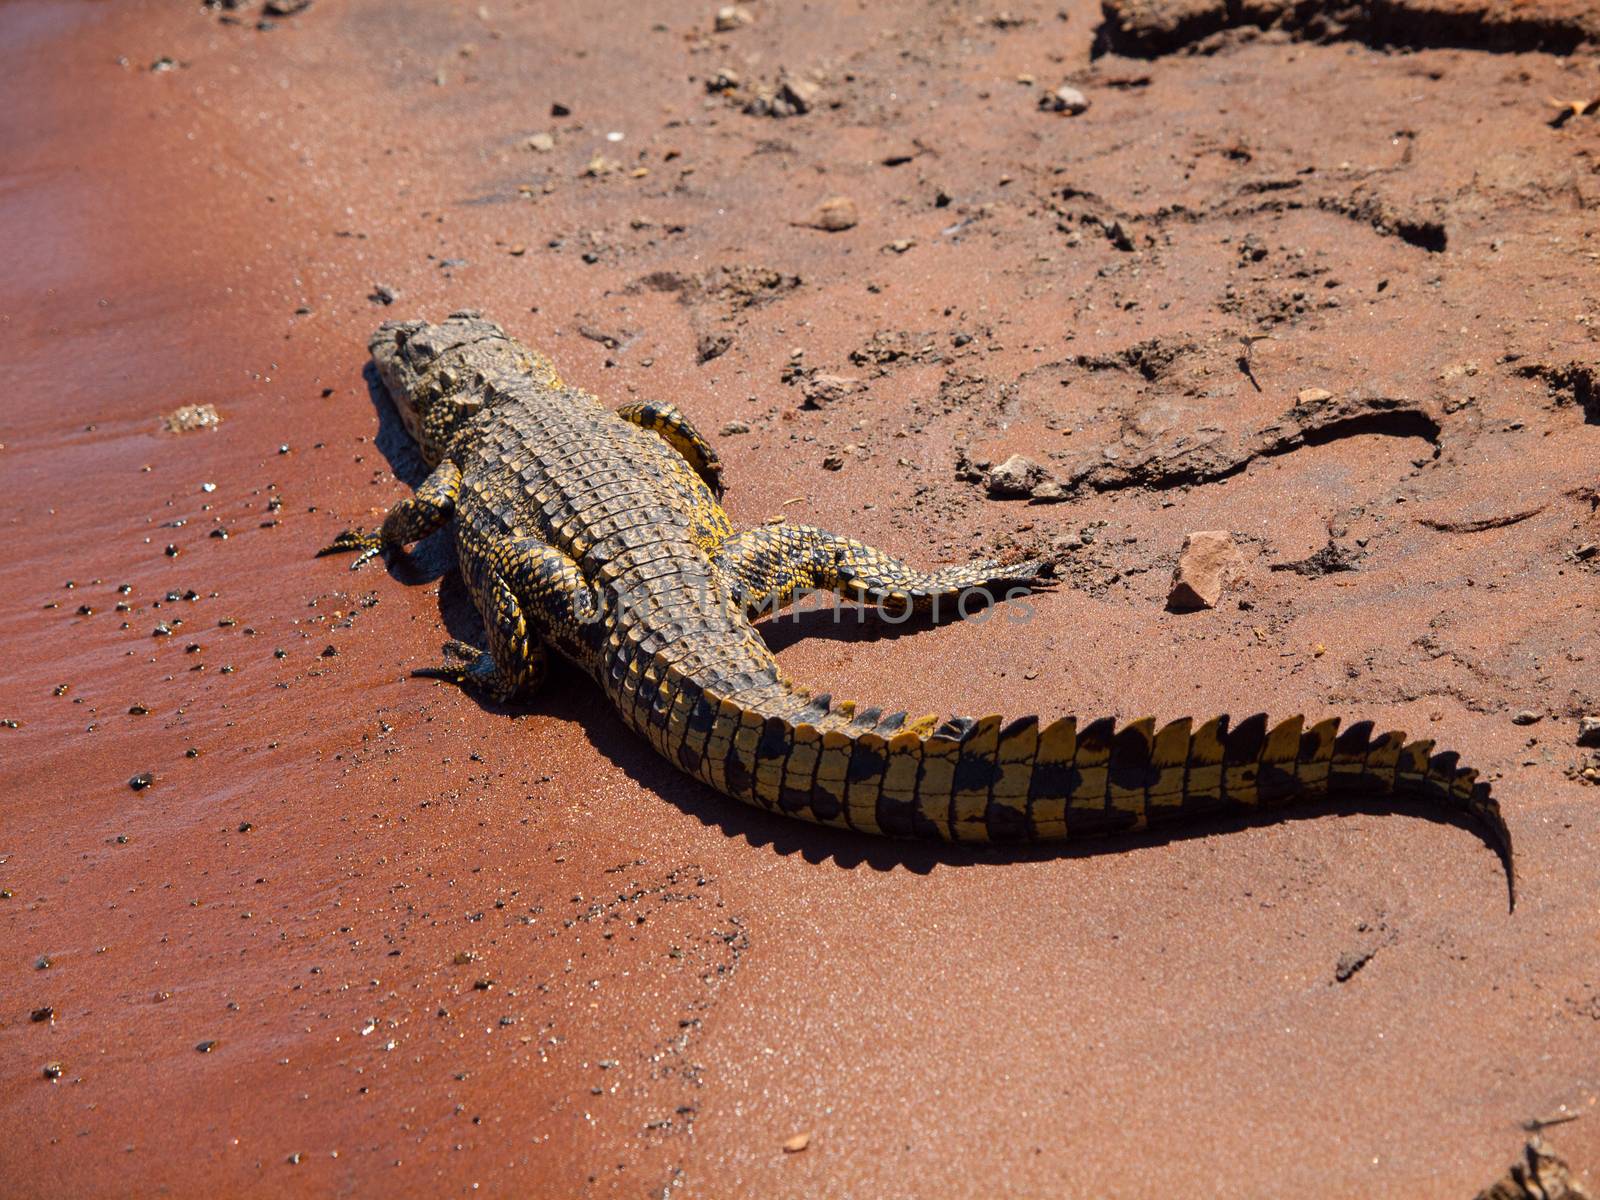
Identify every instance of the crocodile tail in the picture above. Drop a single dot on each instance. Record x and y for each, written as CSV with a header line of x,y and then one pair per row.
x,y
986,780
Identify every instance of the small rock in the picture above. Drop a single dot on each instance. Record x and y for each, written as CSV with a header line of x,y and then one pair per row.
x,y
735,427
790,97
206,1047
191,417
1016,477
901,245
835,214
731,17
284,8
53,1070
833,462
800,95
542,142
1351,962
725,80
712,345
1525,716
382,293
1314,395
1588,550
141,781
600,166
1048,492
1589,731
40,1015
1064,99
797,1143
1204,564
823,388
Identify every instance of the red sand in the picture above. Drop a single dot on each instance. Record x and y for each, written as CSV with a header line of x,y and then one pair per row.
x,y
439,946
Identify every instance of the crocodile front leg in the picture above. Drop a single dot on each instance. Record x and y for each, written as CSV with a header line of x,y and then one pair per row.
x,y
770,565
413,519
528,594
679,433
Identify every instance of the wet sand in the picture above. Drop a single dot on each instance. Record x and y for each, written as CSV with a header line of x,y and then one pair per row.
x,y
430,946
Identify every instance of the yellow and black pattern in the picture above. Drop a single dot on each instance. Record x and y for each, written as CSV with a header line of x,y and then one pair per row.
x,y
768,567
600,537
679,433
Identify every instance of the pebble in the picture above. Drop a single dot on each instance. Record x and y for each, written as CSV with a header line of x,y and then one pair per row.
x,y
834,215
731,17
1204,564
191,417
1525,717
542,142
735,427
1313,395
1589,731
141,781
796,1143
1016,477
1064,99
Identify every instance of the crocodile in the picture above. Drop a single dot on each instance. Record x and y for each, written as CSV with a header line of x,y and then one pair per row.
x,y
600,536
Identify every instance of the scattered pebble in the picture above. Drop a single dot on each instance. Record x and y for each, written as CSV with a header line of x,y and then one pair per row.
x,y
40,1015
1204,564
53,1070
1351,962
1065,99
207,1046
823,388
599,166
382,293
790,97
733,428
731,17
1016,477
1525,716
1589,731
191,417
1313,395
796,1143
141,781
835,214
542,142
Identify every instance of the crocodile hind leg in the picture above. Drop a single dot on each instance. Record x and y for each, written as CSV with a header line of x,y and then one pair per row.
x,y
413,519
528,594
679,433
769,566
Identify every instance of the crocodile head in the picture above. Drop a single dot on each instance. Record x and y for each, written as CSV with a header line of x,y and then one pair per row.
x,y
435,373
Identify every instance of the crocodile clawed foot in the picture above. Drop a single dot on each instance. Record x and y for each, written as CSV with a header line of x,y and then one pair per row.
x,y
367,546
1037,575
467,667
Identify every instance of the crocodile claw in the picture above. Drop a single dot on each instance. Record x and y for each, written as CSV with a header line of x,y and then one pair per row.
x,y
465,666
367,545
